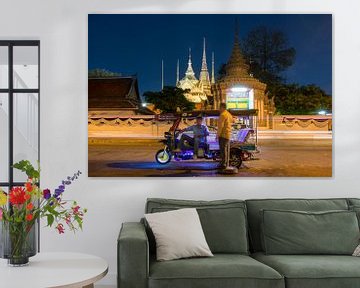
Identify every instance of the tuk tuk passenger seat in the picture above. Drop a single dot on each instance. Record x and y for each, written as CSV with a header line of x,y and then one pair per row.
x,y
243,135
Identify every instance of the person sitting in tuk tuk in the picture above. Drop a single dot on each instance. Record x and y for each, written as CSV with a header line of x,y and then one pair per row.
x,y
200,132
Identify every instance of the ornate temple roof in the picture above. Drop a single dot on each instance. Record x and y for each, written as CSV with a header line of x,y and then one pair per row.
x,y
114,93
237,70
190,74
236,65
189,81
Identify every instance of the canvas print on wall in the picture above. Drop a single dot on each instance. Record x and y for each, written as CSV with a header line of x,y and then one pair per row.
x,y
210,95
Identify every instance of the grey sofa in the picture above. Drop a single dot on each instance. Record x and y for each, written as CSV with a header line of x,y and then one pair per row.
x,y
233,231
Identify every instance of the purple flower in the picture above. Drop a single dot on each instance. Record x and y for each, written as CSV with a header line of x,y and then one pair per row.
x,y
58,192
68,181
46,194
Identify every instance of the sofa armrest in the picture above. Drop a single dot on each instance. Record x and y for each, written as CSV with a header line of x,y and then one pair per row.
x,y
133,256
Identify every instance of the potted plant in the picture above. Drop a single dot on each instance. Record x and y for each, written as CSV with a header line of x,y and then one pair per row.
x,y
22,207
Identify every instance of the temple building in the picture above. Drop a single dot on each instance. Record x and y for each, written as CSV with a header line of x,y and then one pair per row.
x,y
240,90
237,88
200,89
115,96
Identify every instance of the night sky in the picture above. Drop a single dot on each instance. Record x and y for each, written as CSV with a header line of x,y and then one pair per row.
x,y
135,44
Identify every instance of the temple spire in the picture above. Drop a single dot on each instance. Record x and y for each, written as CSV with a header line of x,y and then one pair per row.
x,y
203,63
177,72
236,64
213,68
190,71
237,30
204,73
162,74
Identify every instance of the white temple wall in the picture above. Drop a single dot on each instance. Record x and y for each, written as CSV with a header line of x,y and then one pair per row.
x,y
147,129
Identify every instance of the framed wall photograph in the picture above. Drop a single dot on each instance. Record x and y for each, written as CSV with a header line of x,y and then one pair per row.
x,y
210,95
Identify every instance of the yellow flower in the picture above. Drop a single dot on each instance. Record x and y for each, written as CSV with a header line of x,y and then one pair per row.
x,y
3,198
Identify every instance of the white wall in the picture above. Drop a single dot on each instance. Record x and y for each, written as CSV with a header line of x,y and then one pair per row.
x,y
62,28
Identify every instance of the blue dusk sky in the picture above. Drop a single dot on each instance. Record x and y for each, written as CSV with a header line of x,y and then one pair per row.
x,y
136,44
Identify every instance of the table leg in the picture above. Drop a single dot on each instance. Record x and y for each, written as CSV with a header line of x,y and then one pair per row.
x,y
89,286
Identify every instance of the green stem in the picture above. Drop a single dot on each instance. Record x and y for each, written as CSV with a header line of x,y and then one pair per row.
x,y
18,239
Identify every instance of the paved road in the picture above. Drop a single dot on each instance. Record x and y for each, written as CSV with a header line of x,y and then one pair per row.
x,y
278,158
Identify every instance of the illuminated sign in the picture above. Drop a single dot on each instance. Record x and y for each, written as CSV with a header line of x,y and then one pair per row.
x,y
240,98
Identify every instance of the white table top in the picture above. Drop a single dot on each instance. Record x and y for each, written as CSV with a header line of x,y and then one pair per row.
x,y
46,270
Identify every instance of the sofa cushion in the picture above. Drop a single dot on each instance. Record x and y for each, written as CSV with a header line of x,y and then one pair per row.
x,y
353,201
223,221
297,232
314,271
255,206
356,209
178,234
354,205
222,270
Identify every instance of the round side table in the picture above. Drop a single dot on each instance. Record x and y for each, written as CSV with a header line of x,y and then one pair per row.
x,y
54,270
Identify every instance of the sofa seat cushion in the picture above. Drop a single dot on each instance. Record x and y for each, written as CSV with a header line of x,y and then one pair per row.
x,y
222,270
315,271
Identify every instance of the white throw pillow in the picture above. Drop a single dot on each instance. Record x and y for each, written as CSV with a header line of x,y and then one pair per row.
x,y
357,251
178,234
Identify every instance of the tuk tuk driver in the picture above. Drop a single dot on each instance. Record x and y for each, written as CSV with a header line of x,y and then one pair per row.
x,y
224,135
200,132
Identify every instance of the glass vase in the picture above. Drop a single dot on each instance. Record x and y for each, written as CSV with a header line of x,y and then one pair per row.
x,y
18,242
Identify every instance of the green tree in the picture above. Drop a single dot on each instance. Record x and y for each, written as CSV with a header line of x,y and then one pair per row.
x,y
301,100
268,53
102,73
169,100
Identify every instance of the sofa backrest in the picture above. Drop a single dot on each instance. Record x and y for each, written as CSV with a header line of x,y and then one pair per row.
x,y
353,202
224,222
255,206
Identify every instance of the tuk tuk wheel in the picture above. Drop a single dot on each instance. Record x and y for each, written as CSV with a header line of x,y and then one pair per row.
x,y
235,158
163,156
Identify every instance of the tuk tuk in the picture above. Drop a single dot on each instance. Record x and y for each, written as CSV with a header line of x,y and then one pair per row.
x,y
243,143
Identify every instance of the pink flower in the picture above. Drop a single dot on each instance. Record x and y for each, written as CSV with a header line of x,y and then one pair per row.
x,y
60,228
68,219
76,210
1,214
